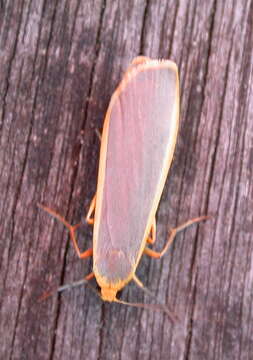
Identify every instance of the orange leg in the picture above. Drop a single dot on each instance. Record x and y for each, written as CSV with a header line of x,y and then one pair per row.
x,y
88,218
67,286
72,228
152,236
76,283
98,135
89,276
172,234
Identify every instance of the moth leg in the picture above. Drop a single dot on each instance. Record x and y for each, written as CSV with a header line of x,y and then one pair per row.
x,y
138,282
89,276
152,236
72,229
76,283
173,232
98,135
88,218
67,286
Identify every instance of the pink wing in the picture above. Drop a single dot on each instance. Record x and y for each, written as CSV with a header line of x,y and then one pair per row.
x,y
141,139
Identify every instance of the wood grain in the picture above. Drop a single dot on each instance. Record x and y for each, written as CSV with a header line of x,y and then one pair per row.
x,y
60,61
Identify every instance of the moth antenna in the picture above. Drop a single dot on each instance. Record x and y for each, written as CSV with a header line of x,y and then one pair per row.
x,y
155,307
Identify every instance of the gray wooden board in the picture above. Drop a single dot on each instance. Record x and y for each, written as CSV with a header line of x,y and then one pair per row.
x,y
60,61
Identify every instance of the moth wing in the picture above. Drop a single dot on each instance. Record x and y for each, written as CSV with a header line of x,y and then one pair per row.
x,y
137,147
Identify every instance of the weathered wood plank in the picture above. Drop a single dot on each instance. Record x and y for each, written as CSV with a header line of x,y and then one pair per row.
x,y
60,62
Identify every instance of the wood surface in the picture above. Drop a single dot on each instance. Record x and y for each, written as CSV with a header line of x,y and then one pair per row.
x,y
60,61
